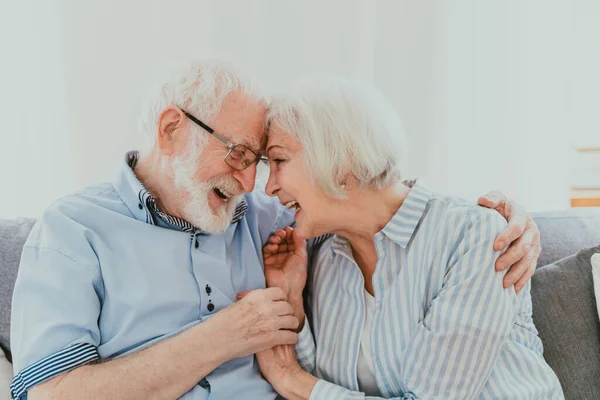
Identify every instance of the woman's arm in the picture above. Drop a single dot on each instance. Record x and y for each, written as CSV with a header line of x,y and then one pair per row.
x,y
451,353
285,262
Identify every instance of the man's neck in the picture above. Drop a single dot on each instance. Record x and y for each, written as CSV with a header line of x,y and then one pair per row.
x,y
155,178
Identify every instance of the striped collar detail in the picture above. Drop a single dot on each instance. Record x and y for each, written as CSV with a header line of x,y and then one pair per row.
x,y
403,224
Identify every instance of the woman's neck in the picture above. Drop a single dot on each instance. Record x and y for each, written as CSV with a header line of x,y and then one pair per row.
x,y
361,226
368,211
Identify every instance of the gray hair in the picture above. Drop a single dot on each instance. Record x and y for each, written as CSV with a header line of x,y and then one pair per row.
x,y
198,87
346,129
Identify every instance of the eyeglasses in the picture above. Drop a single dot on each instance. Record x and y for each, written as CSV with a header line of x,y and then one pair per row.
x,y
239,156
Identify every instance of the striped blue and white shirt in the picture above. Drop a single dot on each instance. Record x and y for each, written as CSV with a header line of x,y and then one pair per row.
x,y
444,326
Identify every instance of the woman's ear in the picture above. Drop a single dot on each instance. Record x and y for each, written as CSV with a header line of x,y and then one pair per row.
x,y
169,132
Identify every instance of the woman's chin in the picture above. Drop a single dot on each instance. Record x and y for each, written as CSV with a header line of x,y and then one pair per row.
x,y
307,233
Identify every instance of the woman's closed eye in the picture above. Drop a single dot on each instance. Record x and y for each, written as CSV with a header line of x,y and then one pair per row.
x,y
277,161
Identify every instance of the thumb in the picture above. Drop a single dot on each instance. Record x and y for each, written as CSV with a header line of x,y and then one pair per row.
x,y
299,243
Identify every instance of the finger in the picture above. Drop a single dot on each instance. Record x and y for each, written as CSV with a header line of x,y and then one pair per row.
x,y
514,230
275,259
516,251
299,243
491,199
519,269
276,294
520,284
283,308
271,248
277,236
286,337
286,247
274,239
288,322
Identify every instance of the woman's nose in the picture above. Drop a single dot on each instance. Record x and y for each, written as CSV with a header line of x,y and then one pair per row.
x,y
271,187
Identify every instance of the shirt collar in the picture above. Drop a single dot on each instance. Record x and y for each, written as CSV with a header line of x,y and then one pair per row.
x,y
403,224
141,203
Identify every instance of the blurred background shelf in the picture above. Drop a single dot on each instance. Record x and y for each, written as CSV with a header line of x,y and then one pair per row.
x,y
584,177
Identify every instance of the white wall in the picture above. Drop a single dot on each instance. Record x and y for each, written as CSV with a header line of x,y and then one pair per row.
x,y
490,92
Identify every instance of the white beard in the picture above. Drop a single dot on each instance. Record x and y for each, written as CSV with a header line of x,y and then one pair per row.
x,y
197,210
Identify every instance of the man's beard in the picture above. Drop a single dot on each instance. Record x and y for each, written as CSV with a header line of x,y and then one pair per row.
x,y
197,210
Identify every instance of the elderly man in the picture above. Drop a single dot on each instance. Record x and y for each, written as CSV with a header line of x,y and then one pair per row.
x,y
128,289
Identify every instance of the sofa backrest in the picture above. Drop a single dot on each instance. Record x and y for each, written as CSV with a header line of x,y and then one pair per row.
x,y
13,234
564,233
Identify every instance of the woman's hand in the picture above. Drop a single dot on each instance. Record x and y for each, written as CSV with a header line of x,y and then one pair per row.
x,y
285,260
280,368
522,235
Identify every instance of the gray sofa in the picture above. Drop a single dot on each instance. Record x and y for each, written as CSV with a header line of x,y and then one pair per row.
x,y
564,304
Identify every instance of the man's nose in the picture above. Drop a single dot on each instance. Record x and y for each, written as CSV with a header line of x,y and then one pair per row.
x,y
247,177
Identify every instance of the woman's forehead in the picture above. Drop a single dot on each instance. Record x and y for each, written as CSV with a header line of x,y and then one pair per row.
x,y
279,137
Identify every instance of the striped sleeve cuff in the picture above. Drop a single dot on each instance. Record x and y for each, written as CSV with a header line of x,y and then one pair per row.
x,y
305,348
328,391
51,366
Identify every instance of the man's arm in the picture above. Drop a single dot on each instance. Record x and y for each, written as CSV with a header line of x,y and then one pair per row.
x,y
55,337
169,369
166,370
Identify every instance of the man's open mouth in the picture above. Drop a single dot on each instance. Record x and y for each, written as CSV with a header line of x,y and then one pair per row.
x,y
222,193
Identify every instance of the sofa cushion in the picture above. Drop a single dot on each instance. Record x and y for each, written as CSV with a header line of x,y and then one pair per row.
x,y
13,234
564,233
6,374
596,273
565,314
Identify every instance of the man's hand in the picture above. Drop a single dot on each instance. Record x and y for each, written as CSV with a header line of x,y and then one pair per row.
x,y
260,320
521,234
285,260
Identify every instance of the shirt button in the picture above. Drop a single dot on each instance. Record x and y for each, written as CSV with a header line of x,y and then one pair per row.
x,y
208,290
210,307
140,206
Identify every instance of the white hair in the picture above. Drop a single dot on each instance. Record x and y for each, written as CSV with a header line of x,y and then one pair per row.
x,y
347,129
198,87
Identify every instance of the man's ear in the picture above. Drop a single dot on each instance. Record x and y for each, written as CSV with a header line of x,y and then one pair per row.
x,y
169,132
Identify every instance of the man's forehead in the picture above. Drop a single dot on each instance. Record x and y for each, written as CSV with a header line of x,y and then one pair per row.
x,y
250,140
241,120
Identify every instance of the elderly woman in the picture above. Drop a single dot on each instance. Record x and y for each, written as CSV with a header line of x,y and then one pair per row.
x,y
403,298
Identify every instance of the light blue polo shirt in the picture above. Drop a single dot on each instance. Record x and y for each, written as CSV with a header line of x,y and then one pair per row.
x,y
102,275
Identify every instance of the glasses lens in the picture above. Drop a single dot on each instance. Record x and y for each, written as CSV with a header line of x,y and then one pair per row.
x,y
240,157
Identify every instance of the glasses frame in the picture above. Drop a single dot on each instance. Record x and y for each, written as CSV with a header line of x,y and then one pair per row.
x,y
230,146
